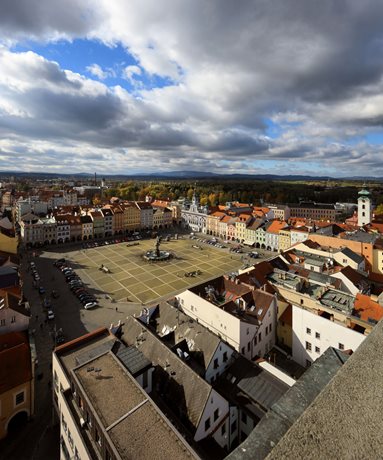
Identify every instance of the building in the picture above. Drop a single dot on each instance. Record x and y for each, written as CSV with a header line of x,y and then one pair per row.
x,y
103,410
315,211
288,411
195,406
206,353
16,381
146,214
244,317
14,314
364,207
194,216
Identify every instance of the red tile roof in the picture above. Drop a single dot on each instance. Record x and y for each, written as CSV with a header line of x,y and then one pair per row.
x,y
366,308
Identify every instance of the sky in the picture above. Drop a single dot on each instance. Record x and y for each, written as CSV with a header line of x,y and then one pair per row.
x,y
225,86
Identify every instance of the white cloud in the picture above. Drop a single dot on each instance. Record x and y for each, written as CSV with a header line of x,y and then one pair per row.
x,y
98,72
316,72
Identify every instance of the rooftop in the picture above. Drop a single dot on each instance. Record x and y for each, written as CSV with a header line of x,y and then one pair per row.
x,y
288,410
129,417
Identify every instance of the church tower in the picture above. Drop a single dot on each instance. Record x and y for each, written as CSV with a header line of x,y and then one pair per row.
x,y
364,207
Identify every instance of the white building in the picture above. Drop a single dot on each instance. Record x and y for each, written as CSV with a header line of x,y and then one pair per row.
x,y
242,316
102,409
313,334
146,214
364,208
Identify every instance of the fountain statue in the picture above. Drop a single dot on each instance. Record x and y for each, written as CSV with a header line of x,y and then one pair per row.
x,y
155,255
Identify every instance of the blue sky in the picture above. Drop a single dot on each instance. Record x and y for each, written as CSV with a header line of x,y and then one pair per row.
x,y
78,55
206,86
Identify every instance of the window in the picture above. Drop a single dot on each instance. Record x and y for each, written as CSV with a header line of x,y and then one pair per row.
x,y
247,331
260,336
224,356
216,363
317,350
244,417
267,330
64,424
243,350
13,319
308,346
270,327
248,346
341,346
308,331
70,439
317,335
233,427
2,322
308,363
223,429
207,424
255,340
216,414
19,398
301,301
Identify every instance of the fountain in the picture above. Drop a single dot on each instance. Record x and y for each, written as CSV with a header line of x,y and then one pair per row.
x,y
155,255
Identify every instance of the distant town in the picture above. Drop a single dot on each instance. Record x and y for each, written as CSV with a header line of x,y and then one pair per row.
x,y
180,319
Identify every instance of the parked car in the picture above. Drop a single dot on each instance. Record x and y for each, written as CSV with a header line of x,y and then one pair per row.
x,y
89,305
50,315
41,290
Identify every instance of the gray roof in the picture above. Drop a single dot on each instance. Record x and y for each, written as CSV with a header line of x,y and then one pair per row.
x,y
287,410
199,339
357,258
132,359
128,417
362,237
261,387
185,385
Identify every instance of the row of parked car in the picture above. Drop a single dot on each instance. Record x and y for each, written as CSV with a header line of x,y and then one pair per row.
x,y
48,308
95,244
211,242
76,285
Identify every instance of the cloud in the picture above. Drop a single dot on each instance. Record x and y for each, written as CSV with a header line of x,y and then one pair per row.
x,y
98,72
315,71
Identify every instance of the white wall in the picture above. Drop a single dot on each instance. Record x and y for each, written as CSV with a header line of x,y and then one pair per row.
x,y
331,335
347,283
212,373
214,318
214,402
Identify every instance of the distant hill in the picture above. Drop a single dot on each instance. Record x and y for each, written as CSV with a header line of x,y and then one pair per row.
x,y
172,175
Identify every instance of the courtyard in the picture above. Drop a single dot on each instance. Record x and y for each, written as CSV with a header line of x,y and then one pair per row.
x,y
130,278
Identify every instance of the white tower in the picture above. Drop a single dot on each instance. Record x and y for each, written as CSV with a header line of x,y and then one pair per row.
x,y
364,207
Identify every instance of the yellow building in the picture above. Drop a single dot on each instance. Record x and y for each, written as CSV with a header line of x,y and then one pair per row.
x,y
132,216
16,381
8,243
284,239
